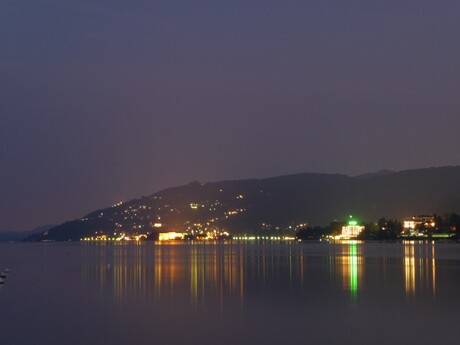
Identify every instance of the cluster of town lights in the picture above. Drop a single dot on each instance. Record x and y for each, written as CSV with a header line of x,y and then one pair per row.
x,y
171,236
272,238
416,226
121,237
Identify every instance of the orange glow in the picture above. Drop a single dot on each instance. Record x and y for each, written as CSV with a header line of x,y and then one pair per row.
x,y
169,236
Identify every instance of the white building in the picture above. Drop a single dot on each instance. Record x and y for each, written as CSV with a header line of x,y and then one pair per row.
x,y
351,230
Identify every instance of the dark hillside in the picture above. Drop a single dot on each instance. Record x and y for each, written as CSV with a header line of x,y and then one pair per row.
x,y
278,202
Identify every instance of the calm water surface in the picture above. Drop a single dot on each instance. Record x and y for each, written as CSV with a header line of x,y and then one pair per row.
x,y
230,293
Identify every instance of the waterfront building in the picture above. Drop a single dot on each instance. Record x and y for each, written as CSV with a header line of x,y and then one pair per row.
x,y
351,230
415,222
171,235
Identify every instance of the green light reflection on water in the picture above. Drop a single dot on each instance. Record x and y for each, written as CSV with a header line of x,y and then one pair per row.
x,y
353,262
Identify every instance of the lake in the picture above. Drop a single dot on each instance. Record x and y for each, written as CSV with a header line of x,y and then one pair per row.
x,y
230,293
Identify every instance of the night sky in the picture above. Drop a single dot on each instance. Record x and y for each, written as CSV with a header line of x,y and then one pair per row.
x,y
102,101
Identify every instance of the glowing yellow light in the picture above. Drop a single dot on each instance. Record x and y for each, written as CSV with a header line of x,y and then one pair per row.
x,y
169,236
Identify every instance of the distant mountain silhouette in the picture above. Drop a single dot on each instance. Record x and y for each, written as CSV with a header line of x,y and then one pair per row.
x,y
250,205
6,236
376,174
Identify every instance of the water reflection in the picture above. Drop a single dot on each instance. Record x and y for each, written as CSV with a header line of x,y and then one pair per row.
x,y
348,263
409,267
202,275
197,273
419,267
234,293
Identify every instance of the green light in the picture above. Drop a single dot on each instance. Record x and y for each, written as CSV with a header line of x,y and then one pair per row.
x,y
352,222
353,261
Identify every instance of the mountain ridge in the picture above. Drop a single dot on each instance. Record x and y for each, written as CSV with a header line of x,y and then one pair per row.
x,y
253,205
7,236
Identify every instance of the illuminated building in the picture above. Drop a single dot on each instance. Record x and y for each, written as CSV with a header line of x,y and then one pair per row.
x,y
413,222
351,230
169,236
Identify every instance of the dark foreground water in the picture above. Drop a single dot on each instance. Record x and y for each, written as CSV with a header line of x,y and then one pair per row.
x,y
316,293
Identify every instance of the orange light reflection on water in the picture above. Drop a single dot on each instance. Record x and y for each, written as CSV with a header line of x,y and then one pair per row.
x,y
419,267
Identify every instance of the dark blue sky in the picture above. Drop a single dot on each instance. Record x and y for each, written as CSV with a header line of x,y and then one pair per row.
x,y
103,101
